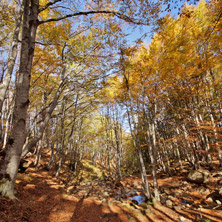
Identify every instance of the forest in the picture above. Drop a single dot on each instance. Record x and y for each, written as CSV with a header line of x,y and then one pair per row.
x,y
110,110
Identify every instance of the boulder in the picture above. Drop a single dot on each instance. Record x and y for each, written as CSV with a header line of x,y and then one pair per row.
x,y
198,176
169,203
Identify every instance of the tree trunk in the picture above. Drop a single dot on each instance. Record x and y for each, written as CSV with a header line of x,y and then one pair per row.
x,y
12,58
16,140
117,139
45,122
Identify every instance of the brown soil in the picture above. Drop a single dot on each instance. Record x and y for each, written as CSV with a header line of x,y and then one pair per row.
x,y
43,198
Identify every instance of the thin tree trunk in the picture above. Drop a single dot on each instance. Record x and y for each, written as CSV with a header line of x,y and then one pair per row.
x,y
45,122
194,158
177,149
12,58
117,139
8,120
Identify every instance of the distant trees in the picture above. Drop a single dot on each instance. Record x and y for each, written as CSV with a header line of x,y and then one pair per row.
x,y
171,90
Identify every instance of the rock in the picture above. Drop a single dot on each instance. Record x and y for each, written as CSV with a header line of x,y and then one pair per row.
x,y
106,194
182,219
218,202
198,176
209,200
177,208
169,203
185,183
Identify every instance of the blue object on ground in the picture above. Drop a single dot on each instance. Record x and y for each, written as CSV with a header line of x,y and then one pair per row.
x,y
138,199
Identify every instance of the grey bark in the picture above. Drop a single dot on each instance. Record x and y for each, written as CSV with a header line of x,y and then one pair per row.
x,y
12,58
45,122
16,140
118,143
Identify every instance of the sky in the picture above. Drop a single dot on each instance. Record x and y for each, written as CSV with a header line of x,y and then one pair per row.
x,y
140,31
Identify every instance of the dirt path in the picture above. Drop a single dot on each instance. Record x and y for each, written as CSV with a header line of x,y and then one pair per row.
x,y
42,199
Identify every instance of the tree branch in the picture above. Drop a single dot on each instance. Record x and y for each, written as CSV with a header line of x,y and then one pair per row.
x,y
117,14
48,5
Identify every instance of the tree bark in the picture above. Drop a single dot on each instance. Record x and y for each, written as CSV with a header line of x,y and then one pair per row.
x,y
44,124
16,140
12,58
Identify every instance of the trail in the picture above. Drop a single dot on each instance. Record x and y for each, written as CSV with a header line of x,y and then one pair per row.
x,y
43,198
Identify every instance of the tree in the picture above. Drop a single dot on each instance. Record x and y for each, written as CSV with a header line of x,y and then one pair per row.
x,y
7,73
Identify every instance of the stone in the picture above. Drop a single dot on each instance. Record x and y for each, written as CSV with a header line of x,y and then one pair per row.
x,y
169,203
198,176
182,219
210,200
106,194
218,202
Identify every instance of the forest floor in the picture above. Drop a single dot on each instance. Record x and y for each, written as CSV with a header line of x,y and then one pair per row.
x,y
43,198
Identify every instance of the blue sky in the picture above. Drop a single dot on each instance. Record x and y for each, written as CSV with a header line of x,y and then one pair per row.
x,y
140,31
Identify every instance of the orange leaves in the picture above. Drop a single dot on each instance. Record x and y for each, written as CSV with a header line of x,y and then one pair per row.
x,y
112,90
